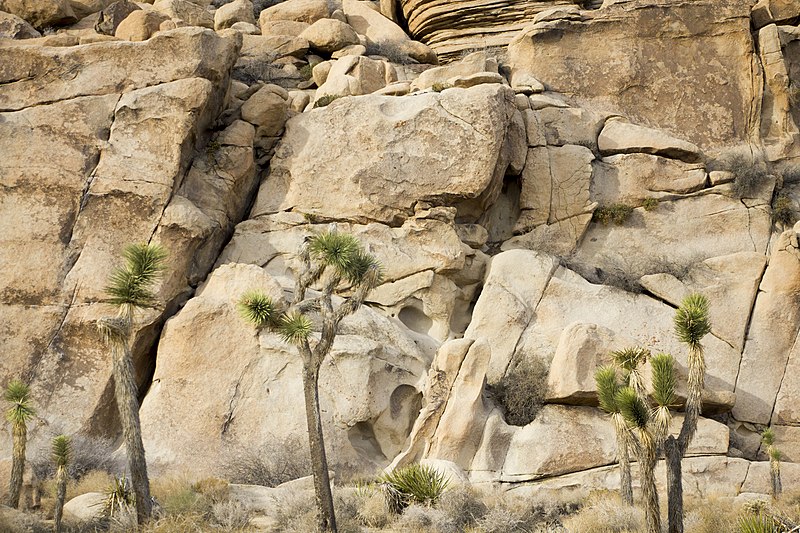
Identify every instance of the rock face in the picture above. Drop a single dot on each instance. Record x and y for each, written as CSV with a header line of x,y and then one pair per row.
x,y
667,62
127,137
42,13
456,136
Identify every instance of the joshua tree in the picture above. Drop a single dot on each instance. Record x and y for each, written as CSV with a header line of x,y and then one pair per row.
x,y
768,439
61,453
17,394
629,361
129,289
335,260
607,390
691,325
648,427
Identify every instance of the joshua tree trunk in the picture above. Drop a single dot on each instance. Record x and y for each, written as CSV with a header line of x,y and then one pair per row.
x,y
61,493
647,466
20,433
326,520
625,484
775,478
126,394
674,485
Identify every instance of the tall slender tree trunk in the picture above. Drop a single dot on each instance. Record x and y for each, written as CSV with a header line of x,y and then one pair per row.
x,y
625,482
673,456
647,466
61,494
775,478
326,521
126,394
20,434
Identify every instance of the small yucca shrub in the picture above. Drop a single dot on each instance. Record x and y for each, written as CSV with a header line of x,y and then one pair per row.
x,y
756,523
414,483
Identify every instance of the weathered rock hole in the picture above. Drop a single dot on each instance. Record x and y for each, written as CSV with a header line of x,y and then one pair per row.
x,y
362,439
415,319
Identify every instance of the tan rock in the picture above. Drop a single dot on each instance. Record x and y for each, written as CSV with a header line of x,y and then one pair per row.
x,y
767,349
632,178
111,17
306,153
570,125
356,75
267,109
505,305
560,238
42,13
308,11
351,50
246,28
774,12
621,137
192,14
237,11
329,35
112,67
14,27
650,87
84,508
140,25
84,8
385,33
758,477
474,63
283,27
210,424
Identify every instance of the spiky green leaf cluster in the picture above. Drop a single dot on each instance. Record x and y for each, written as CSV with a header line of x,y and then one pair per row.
x,y
61,450
756,523
17,394
633,408
414,483
607,388
294,328
258,309
691,320
343,253
768,437
131,285
774,454
629,359
663,366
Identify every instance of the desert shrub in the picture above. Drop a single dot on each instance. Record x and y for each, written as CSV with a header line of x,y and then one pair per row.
x,y
326,100
783,210
605,513
229,515
521,391
500,520
306,71
710,516
213,489
424,519
278,461
616,213
373,510
89,454
756,523
414,483
296,510
439,87
463,505
176,496
750,171
650,204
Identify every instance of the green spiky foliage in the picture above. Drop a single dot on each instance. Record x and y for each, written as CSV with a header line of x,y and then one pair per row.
x,y
414,483
663,367
633,408
757,523
630,360
118,497
61,451
258,309
607,390
775,456
331,261
130,286
19,412
295,328
691,320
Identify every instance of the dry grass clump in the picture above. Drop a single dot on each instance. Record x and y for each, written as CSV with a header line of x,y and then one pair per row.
x,y
616,213
710,515
521,391
464,505
423,519
605,513
278,461
749,169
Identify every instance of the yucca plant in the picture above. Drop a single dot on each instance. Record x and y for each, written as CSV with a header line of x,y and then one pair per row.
x,y
691,325
607,389
62,450
768,439
20,411
337,262
630,361
757,523
129,289
414,483
118,497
